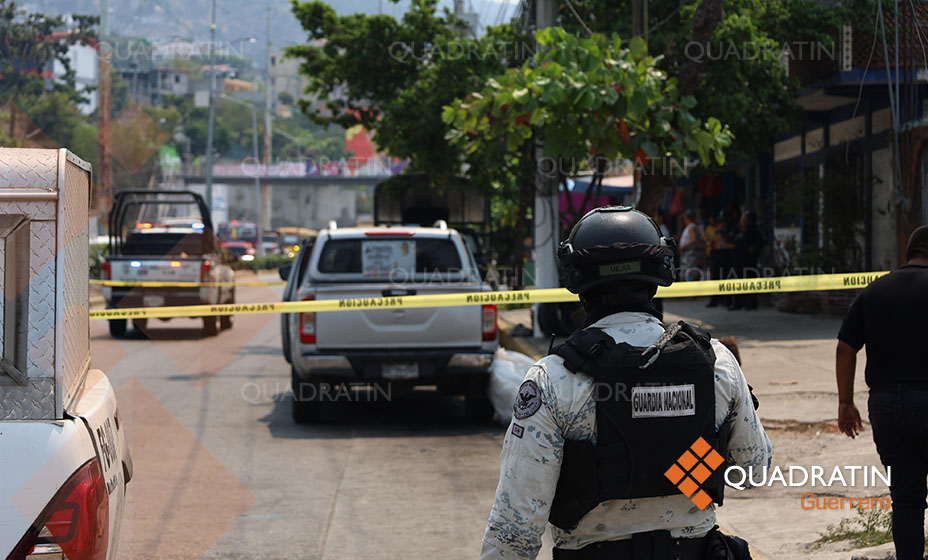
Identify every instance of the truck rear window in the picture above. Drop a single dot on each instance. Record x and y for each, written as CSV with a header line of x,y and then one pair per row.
x,y
173,244
389,258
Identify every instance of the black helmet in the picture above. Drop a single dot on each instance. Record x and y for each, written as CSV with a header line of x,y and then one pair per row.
x,y
616,244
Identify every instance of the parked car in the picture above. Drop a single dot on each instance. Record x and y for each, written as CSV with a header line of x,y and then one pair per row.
x,y
451,347
291,239
64,460
164,236
239,250
238,231
270,242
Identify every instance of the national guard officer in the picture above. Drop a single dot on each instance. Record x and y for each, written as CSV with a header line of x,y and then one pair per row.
x,y
888,317
601,427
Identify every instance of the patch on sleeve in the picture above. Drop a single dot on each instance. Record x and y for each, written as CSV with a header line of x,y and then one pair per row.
x,y
517,430
528,401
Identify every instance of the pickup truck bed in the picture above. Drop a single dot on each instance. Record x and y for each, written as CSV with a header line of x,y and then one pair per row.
x,y
451,347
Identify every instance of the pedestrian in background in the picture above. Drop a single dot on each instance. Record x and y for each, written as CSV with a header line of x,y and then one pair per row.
x,y
888,317
691,249
720,256
661,218
748,243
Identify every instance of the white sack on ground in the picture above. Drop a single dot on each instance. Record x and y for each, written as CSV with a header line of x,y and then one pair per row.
x,y
506,375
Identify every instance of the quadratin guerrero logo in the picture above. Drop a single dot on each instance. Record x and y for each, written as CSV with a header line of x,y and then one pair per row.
x,y
692,469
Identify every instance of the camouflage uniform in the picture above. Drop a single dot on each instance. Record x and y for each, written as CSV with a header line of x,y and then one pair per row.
x,y
533,447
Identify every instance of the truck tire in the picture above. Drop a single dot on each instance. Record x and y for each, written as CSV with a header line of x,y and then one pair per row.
x,y
307,407
225,322
118,328
209,326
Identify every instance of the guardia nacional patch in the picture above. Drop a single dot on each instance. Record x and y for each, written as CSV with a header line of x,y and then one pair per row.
x,y
528,401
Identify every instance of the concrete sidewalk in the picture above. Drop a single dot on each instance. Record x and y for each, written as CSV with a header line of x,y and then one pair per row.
x,y
789,360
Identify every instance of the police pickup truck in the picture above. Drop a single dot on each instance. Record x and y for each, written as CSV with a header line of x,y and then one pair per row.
x,y
64,462
167,237
451,347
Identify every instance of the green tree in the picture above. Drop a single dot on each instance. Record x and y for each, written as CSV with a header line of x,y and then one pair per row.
x,y
394,76
593,99
29,44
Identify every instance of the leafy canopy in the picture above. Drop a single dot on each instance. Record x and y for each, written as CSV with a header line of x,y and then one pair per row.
x,y
589,96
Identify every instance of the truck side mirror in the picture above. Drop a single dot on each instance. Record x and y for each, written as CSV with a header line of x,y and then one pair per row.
x,y
284,272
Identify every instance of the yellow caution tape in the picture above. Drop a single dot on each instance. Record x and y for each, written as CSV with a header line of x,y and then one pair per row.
x,y
156,284
680,289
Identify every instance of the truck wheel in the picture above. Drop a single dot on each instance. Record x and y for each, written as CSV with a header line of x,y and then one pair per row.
x,y
225,322
118,328
477,405
307,406
209,326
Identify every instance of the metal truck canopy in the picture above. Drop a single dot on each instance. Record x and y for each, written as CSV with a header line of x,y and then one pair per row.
x,y
44,322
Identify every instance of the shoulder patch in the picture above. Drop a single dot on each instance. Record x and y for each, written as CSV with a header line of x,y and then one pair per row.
x,y
517,430
528,401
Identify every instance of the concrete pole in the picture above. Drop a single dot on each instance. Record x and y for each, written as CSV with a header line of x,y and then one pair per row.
x,y
104,136
264,194
546,192
212,112
259,250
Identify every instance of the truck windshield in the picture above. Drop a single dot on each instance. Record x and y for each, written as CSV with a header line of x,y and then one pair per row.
x,y
396,259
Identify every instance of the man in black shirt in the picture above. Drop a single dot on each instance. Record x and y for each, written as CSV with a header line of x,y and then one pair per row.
x,y
890,318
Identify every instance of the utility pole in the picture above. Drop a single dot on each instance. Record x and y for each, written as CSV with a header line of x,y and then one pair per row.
x,y
264,201
546,220
640,19
212,111
104,136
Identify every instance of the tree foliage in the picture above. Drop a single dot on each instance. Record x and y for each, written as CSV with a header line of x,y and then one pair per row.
x,y
30,42
589,97
394,77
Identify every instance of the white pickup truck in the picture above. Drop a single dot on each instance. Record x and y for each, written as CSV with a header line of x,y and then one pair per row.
x,y
451,347
64,462
164,236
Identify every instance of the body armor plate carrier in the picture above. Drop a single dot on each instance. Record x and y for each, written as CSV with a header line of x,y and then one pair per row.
x,y
652,404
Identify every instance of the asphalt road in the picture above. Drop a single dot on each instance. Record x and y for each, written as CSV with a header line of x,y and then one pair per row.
x,y
221,471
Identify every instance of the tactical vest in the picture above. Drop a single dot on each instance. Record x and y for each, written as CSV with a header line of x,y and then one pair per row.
x,y
652,404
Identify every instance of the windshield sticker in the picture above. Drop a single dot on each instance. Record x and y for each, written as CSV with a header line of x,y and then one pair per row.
x,y
383,258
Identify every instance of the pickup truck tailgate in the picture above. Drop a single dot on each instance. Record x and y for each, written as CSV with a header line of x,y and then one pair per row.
x,y
362,329
142,269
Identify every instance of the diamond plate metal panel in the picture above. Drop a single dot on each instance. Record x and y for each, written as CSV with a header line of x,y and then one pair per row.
x,y
33,402
41,335
28,169
73,240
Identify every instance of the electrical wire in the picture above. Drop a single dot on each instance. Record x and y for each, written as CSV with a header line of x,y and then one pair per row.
x,y
860,90
666,19
579,19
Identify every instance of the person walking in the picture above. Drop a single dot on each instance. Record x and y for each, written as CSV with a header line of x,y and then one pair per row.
x,y
720,256
888,318
598,423
691,247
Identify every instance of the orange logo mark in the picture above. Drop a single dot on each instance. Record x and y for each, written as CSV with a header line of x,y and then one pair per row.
x,y
692,469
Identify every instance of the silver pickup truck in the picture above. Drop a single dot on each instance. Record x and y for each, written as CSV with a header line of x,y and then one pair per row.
x,y
451,347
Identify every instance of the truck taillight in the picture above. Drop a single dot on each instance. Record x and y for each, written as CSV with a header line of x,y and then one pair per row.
x,y
308,324
76,521
107,269
489,322
204,271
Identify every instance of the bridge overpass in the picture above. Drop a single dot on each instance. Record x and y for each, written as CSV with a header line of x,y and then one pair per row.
x,y
307,201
